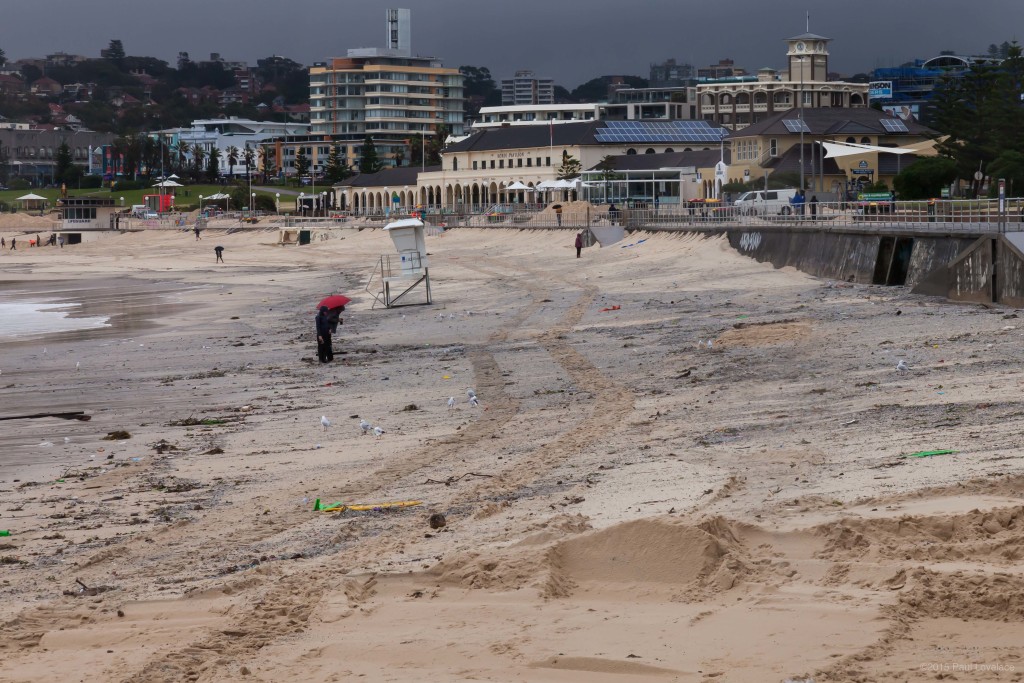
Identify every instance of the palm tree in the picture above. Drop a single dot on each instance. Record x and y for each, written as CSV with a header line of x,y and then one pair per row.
x,y
269,166
232,152
198,157
181,151
249,157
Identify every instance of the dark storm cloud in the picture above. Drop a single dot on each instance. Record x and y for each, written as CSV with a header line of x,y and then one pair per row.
x,y
568,40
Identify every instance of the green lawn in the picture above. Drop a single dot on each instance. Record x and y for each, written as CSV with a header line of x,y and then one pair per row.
x,y
186,198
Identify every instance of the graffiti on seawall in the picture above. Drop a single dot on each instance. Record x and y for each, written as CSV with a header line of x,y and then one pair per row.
x,y
750,241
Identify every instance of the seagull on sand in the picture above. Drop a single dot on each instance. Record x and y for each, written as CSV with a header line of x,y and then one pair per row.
x,y
902,367
377,431
474,401
365,426
451,403
470,393
325,422
78,365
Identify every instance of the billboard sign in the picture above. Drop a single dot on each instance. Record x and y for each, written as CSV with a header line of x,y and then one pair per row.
x,y
907,112
880,90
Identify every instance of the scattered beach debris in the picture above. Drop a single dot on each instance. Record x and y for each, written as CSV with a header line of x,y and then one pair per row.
x,y
364,507
88,591
117,435
452,479
928,454
437,520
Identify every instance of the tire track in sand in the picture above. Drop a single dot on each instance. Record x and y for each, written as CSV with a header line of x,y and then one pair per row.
x,y
286,604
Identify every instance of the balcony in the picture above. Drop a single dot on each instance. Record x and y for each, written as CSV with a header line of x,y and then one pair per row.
x,y
760,106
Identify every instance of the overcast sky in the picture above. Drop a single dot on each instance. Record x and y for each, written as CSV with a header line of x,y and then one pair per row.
x,y
571,41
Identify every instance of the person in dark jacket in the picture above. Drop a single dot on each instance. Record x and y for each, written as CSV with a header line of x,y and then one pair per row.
x,y
579,243
323,336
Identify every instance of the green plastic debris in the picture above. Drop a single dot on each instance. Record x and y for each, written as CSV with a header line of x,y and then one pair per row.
x,y
928,454
4,532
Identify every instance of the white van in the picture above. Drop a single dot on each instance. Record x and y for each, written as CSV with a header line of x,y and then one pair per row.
x,y
766,201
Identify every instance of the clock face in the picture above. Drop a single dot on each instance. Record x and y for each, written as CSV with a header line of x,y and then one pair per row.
x,y
800,47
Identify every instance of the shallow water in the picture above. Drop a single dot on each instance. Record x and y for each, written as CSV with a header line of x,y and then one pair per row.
x,y
29,318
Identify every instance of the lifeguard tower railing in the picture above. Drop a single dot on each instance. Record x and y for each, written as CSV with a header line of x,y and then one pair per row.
x,y
398,274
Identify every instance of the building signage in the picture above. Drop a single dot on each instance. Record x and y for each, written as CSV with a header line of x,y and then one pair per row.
x,y
880,90
506,155
907,112
862,171
863,164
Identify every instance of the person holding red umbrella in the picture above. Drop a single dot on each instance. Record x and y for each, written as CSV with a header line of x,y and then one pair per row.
x,y
324,351
327,321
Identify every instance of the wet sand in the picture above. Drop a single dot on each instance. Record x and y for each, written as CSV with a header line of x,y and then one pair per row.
x,y
623,504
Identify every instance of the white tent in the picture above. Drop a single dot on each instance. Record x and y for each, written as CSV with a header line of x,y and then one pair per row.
x,y
834,149
219,195
518,186
168,183
31,198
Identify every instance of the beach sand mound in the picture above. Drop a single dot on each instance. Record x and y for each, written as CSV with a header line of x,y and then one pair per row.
x,y
991,536
764,334
656,553
964,595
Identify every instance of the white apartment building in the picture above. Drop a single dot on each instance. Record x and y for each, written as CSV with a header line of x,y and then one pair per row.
x,y
526,88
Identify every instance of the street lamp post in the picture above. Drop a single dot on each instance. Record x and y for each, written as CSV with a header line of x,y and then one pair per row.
x,y
801,114
301,207
200,206
122,202
277,202
252,206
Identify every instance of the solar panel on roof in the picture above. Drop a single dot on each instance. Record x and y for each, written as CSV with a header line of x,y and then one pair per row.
x,y
796,125
894,125
659,131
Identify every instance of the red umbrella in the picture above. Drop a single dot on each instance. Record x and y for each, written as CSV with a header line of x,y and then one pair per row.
x,y
334,301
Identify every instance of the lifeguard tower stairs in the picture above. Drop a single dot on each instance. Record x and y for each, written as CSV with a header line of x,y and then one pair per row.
x,y
398,275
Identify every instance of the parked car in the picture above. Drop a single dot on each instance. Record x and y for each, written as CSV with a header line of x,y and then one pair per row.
x,y
766,201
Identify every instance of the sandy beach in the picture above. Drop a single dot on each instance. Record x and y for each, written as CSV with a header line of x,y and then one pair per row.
x,y
624,505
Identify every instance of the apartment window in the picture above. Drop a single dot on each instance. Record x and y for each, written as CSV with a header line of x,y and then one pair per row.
x,y
501,163
773,147
474,166
538,161
519,163
529,162
492,163
455,163
547,161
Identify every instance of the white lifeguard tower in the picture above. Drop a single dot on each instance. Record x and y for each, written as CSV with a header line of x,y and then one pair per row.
x,y
405,272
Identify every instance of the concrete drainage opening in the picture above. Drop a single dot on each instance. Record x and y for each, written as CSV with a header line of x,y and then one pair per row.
x,y
893,260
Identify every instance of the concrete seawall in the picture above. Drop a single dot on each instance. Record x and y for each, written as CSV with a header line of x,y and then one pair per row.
x,y
983,269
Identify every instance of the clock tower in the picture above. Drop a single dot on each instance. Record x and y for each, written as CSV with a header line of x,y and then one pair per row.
x,y
807,57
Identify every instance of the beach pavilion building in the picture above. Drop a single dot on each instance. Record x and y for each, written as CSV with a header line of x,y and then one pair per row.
x,y
774,146
508,164
738,102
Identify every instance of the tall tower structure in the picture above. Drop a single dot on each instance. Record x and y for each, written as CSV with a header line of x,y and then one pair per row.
x,y
807,57
399,36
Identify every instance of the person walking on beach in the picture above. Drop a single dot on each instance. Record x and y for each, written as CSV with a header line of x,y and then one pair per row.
x,y
3,243
323,336
60,241
558,214
579,243
219,250
14,243
197,233
814,206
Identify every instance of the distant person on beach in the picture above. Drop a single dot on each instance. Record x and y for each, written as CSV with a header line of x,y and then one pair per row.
x,y
613,213
14,243
3,243
196,231
219,250
814,206
60,241
558,213
323,336
579,243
